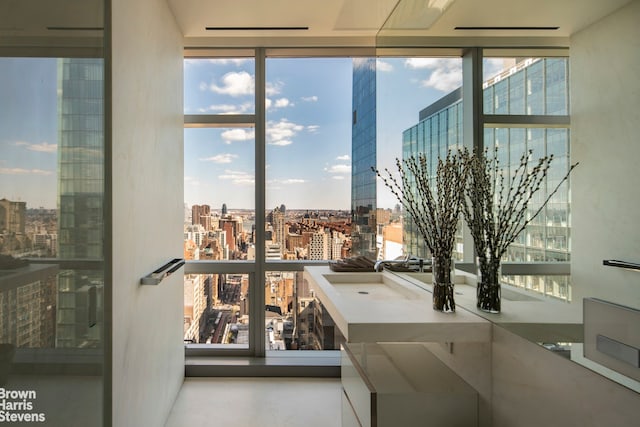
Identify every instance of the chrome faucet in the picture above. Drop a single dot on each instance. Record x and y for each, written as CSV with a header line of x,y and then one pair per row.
x,y
409,262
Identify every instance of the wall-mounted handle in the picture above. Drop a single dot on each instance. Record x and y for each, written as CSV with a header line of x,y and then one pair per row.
x,y
621,264
165,271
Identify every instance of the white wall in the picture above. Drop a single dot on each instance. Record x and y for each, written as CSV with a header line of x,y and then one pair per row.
x,y
533,387
605,139
148,204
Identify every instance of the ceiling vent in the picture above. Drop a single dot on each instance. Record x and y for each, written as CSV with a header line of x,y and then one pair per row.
x,y
256,28
508,28
75,28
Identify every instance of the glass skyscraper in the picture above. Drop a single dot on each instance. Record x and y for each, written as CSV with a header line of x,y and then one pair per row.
x,y
80,199
363,155
438,131
534,86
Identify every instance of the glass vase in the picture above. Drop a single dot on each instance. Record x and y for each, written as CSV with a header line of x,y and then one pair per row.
x,y
442,270
488,290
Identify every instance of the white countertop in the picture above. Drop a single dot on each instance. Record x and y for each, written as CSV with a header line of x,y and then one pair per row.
x,y
382,307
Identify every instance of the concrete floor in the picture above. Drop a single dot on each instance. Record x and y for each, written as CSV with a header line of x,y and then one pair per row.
x,y
256,402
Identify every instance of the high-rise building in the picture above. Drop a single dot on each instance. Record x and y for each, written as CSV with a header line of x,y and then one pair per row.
x,y
195,303
232,227
80,198
439,129
201,214
196,233
531,86
319,246
363,157
12,217
279,230
28,304
336,243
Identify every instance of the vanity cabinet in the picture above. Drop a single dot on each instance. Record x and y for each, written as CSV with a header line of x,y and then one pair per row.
x,y
402,384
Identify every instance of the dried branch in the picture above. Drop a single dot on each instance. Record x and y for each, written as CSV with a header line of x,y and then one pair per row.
x,y
495,212
435,210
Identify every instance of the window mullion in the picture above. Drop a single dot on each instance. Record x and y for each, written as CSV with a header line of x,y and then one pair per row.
x,y
257,322
472,123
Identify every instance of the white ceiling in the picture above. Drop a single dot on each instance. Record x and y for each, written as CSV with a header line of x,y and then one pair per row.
x,y
330,22
364,18
37,18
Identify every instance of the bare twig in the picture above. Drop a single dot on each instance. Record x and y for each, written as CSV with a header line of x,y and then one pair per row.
x,y
435,211
495,212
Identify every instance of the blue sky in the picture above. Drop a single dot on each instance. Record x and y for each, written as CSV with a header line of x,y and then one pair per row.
x,y
308,127
28,131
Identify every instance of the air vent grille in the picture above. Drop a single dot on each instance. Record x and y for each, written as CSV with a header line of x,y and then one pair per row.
x,y
508,28
256,28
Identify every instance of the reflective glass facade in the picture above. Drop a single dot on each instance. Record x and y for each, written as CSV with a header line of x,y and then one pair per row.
x,y
80,199
537,86
439,131
363,155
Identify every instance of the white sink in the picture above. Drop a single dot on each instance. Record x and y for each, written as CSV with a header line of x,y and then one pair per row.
x,y
372,286
384,307
534,317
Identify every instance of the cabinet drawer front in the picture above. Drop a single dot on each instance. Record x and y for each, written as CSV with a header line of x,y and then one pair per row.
x,y
359,394
349,418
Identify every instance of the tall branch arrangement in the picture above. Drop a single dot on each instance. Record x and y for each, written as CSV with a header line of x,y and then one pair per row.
x,y
496,209
435,214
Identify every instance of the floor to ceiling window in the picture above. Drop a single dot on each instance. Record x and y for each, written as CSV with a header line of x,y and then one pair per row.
x,y
52,218
278,158
526,108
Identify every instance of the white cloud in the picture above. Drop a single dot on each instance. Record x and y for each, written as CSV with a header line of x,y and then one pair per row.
x,y
444,80
280,103
233,135
312,128
281,142
345,157
273,88
338,177
283,102
203,86
383,66
220,158
235,84
446,73
20,171
227,108
282,132
289,181
237,177
43,147
310,98
339,169
417,63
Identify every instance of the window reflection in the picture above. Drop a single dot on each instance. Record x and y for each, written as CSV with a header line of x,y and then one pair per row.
x,y
51,207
